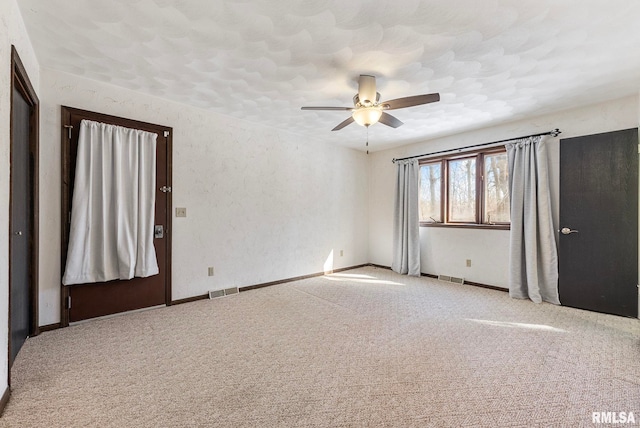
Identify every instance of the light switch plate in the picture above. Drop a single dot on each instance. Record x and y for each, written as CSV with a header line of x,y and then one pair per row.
x,y
181,212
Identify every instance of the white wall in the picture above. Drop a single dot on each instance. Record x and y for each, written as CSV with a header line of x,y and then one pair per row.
x,y
12,32
262,205
444,250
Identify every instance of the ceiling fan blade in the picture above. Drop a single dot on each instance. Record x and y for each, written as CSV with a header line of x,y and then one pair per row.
x,y
367,89
344,123
389,120
328,108
415,100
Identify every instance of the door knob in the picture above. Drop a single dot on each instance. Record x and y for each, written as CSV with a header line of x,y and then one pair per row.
x,y
566,231
19,233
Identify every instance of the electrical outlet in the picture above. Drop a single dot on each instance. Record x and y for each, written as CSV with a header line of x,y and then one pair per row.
x,y
181,212
468,262
210,270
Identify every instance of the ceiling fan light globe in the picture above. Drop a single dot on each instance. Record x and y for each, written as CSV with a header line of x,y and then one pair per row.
x,y
367,116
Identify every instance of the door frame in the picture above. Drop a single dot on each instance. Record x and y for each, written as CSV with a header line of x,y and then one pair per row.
x,y
20,82
66,132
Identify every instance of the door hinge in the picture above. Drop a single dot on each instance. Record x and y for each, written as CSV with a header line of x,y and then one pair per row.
x,y
166,134
68,302
165,189
638,148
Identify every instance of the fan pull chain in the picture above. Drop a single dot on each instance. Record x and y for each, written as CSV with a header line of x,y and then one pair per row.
x,y
367,139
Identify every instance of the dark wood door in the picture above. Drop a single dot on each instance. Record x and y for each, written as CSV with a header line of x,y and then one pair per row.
x,y
84,301
598,251
21,214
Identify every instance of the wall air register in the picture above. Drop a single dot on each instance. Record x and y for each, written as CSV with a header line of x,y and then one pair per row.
x,y
452,279
224,292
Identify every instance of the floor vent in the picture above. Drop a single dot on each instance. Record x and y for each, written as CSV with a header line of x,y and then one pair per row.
x,y
232,290
451,279
222,293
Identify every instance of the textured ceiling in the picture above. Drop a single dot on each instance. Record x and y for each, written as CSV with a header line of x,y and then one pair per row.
x,y
261,60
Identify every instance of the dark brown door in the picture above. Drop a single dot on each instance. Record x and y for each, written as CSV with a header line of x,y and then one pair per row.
x,y
598,249
23,210
84,301
21,213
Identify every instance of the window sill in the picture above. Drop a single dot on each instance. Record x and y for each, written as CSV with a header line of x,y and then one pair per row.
x,y
467,225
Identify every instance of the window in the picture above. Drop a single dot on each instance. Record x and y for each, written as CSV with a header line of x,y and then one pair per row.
x,y
431,192
496,189
462,190
465,190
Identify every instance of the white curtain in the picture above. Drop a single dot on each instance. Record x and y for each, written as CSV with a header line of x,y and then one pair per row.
x,y
533,258
406,227
112,215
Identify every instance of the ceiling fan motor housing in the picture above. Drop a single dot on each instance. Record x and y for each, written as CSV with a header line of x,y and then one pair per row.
x,y
358,104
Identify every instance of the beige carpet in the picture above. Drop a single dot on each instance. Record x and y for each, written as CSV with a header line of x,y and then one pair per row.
x,y
365,347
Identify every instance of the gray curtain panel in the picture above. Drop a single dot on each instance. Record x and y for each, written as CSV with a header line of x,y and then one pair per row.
x,y
533,258
406,223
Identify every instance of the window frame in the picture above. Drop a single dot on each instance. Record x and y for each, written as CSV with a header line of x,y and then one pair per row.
x,y
479,156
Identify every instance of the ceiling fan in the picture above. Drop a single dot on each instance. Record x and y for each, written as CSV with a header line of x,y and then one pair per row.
x,y
368,109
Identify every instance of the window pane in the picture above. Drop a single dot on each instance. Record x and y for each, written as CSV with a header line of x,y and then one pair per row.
x,y
462,190
496,189
430,192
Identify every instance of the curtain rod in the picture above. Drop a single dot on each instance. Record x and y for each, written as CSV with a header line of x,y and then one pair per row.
x,y
554,133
